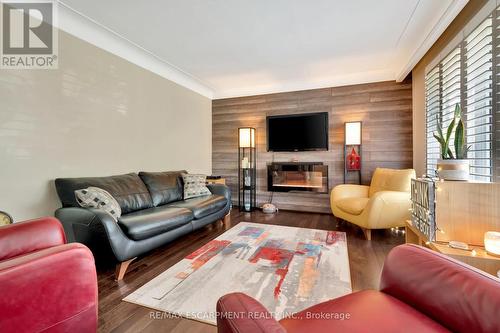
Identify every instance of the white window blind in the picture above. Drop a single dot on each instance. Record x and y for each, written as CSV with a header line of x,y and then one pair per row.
x,y
466,76
433,106
450,87
478,79
496,96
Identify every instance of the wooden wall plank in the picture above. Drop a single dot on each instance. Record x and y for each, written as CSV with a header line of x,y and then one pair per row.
x,y
385,108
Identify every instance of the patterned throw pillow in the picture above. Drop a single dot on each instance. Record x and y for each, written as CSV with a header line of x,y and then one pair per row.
x,y
195,186
95,197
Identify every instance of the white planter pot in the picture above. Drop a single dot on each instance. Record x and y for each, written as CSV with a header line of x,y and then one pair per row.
x,y
453,169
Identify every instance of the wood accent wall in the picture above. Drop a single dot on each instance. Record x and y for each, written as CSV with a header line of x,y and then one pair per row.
x,y
385,108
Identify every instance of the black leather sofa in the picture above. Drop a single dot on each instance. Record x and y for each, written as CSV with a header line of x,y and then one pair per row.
x,y
153,214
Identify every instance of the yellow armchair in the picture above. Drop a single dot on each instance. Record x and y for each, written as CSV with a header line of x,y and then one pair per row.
x,y
383,204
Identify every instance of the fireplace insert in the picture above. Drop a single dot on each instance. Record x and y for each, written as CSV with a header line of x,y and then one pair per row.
x,y
297,176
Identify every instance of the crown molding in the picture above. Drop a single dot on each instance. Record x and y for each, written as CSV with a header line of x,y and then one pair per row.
x,y
448,16
83,27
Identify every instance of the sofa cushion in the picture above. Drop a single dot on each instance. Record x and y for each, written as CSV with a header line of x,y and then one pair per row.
x,y
391,180
128,190
164,187
369,311
154,221
354,206
202,206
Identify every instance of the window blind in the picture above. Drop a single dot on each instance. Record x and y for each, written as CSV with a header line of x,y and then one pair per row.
x,y
433,106
496,101
450,87
478,79
469,75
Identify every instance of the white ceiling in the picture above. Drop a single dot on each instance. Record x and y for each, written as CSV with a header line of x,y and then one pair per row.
x,y
248,47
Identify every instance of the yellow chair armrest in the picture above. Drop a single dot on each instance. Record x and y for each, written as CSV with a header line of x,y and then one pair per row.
x,y
349,191
387,209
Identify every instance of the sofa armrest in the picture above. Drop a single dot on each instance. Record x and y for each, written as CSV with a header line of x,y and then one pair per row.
x,y
96,229
29,236
240,313
220,189
54,288
388,209
345,191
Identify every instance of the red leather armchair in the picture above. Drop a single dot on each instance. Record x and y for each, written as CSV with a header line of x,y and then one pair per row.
x,y
45,284
420,291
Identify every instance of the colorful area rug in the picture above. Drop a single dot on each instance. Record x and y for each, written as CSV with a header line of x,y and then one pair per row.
x,y
287,269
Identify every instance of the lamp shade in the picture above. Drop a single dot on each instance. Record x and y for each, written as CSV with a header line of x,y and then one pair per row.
x,y
353,133
246,137
492,242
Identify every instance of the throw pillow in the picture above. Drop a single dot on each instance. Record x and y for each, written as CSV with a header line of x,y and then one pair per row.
x,y
195,185
95,197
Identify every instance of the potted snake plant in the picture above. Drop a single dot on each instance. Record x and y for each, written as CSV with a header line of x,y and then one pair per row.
x,y
453,166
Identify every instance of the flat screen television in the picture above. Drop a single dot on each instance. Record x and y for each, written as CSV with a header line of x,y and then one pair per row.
x,y
298,132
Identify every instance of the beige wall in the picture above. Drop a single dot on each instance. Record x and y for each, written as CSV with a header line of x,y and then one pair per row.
x,y
96,115
418,75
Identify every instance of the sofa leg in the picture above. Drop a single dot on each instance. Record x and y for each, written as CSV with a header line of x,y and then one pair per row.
x,y
226,219
121,269
368,233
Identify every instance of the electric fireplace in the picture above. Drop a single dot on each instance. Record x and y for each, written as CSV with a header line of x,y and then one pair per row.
x,y
295,176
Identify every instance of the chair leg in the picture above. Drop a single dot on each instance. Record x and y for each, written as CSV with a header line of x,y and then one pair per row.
x,y
121,269
368,233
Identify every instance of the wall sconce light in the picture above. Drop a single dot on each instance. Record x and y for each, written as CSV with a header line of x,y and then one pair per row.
x,y
246,137
492,242
353,133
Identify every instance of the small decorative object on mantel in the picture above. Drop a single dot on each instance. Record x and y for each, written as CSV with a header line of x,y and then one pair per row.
x,y
423,207
492,243
352,149
452,166
5,218
247,169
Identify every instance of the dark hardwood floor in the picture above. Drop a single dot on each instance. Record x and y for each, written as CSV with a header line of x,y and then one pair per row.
x,y
365,259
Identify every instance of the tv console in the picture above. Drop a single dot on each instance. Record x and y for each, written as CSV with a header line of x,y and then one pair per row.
x,y
297,176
